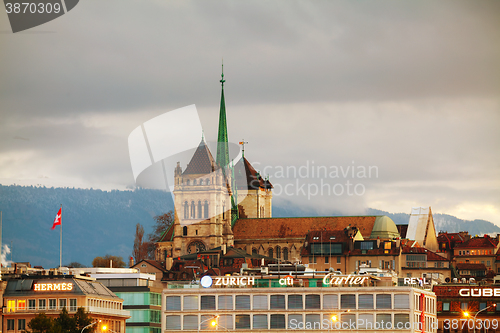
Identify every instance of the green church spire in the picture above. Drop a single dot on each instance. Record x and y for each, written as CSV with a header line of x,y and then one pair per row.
x,y
222,159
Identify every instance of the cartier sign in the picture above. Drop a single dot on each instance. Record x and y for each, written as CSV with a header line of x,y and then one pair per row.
x,y
333,279
64,286
479,292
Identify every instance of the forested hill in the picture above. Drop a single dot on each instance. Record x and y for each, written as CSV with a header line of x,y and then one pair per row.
x,y
97,222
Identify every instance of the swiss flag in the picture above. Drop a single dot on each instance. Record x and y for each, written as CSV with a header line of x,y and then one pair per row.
x,y
57,220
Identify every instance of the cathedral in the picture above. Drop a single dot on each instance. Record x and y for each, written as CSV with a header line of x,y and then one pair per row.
x,y
210,195
219,204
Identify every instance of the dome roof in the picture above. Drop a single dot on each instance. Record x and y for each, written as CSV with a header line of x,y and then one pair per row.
x,y
384,227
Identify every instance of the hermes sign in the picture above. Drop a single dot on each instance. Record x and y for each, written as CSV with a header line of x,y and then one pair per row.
x,y
64,286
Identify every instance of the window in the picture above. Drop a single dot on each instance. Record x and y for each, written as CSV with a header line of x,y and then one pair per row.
x,y
173,303
207,302
260,302
327,260
190,302
173,323
52,304
205,208
313,260
21,324
295,302
199,209
384,301
242,302
31,304
365,301
312,301
326,248
11,306
21,304
270,253
62,303
186,210
464,306
42,304
400,320
260,321
278,252
348,301
401,301
225,302
446,306
72,305
294,320
338,260
192,210
330,302
384,320
10,324
277,321
184,231
285,253
226,321
482,306
366,245
365,321
242,321
191,322
277,302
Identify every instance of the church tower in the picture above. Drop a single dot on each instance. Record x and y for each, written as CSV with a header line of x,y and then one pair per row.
x,y
203,197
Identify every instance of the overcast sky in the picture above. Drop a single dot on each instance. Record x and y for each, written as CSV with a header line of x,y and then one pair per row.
x,y
408,90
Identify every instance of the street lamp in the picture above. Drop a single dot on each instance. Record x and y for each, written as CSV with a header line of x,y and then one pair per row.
x,y
486,308
95,322
335,317
213,323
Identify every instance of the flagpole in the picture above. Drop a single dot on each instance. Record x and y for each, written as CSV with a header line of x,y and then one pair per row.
x,y
60,245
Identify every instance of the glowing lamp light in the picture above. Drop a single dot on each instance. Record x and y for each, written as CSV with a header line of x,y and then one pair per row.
x,y
466,314
213,323
334,318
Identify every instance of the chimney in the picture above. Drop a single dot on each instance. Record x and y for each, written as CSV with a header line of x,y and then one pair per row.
x,y
398,242
111,263
131,262
378,242
223,248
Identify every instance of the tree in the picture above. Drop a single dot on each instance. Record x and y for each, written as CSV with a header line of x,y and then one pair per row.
x,y
163,222
75,264
106,261
141,246
41,324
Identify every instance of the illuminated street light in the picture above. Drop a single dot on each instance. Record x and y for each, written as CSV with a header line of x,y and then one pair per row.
x,y
213,322
486,308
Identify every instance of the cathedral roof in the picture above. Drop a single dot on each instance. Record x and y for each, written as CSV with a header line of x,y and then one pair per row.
x,y
298,227
247,178
202,161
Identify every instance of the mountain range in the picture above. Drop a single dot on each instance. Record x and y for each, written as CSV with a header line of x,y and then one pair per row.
x,y
97,222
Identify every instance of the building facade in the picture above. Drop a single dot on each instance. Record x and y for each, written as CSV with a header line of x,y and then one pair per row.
x,y
26,297
289,308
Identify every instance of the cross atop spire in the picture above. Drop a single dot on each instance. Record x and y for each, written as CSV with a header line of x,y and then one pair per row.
x,y
222,75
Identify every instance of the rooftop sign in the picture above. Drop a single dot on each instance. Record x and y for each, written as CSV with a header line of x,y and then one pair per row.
x,y
333,279
64,286
478,292
207,281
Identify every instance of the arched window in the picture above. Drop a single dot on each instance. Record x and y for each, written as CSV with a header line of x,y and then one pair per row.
x,y
278,252
184,231
199,209
201,181
254,251
285,254
208,181
194,182
205,210
186,210
187,182
223,212
270,252
192,210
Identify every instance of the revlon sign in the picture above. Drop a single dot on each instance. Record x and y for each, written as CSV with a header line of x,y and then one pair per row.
x,y
479,292
53,286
